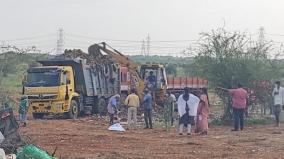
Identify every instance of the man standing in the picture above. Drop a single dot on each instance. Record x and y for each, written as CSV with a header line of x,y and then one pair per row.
x,y
132,102
187,110
112,107
173,108
239,98
168,110
147,102
278,94
23,110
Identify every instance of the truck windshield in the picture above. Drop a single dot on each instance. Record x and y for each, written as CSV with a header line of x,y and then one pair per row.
x,y
43,79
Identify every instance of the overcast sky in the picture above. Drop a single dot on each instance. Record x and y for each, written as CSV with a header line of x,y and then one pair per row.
x,y
133,20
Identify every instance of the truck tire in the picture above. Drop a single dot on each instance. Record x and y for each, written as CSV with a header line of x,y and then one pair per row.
x,y
74,110
38,115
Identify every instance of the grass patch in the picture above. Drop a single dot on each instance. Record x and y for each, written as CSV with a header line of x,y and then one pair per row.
x,y
248,121
262,121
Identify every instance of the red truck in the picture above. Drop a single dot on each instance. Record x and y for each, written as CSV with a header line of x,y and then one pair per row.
x,y
177,84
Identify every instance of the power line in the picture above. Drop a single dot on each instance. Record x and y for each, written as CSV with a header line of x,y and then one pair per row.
x,y
102,39
27,38
134,41
67,41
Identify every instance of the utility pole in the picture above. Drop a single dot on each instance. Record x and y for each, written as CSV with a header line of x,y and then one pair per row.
x,y
148,45
60,42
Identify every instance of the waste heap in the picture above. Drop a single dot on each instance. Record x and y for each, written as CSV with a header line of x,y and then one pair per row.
x,y
9,129
11,141
93,57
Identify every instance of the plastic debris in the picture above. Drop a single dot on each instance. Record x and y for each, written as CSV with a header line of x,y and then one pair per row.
x,y
116,127
2,154
33,152
2,138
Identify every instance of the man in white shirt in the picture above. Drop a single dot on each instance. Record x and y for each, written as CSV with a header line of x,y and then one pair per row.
x,y
278,94
187,110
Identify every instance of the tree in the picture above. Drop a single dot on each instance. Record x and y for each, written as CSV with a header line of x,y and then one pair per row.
x,y
226,59
171,69
13,66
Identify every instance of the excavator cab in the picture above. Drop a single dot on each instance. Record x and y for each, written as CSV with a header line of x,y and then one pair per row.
x,y
154,76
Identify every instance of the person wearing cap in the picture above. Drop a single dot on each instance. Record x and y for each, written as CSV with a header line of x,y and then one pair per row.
x,y
112,107
23,110
147,102
278,95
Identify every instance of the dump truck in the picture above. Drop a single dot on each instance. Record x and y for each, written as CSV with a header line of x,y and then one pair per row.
x,y
70,86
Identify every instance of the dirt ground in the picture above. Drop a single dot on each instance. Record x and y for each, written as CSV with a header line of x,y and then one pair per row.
x,y
89,138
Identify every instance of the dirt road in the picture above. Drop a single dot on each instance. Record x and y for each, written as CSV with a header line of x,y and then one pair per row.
x,y
88,138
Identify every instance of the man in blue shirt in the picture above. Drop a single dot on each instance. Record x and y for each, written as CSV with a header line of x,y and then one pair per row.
x,y
147,103
112,107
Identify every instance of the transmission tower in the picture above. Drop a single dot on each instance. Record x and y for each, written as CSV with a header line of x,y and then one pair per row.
x,y
60,42
143,52
148,45
261,38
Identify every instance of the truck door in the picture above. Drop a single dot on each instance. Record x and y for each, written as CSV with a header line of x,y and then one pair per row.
x,y
66,80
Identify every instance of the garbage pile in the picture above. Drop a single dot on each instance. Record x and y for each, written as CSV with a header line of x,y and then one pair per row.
x,y
27,152
12,143
94,55
11,140
33,152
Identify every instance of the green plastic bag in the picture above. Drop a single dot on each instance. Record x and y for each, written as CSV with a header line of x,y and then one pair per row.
x,y
33,152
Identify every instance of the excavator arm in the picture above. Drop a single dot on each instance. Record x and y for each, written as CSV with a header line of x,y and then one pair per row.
x,y
95,50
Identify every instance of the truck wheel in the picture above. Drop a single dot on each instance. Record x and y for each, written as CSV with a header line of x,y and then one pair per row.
x,y
38,115
74,110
